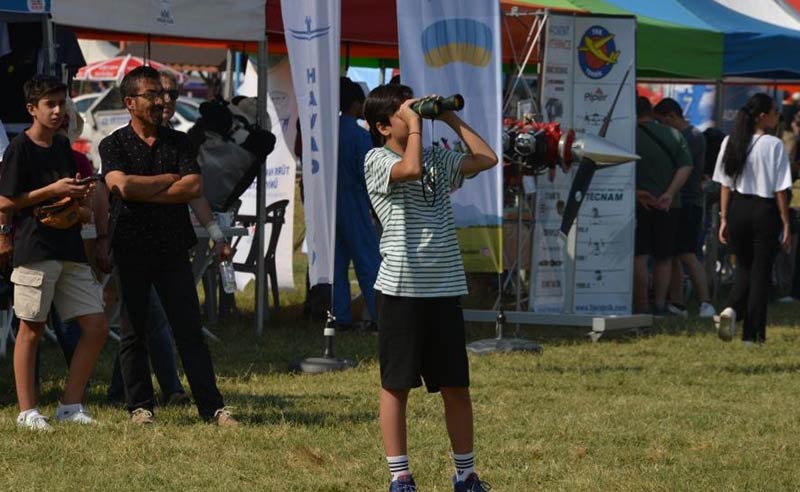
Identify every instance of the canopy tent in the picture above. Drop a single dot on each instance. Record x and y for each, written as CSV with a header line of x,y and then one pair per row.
x,y
95,51
201,21
770,11
752,48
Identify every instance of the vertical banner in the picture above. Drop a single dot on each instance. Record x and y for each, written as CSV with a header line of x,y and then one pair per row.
x,y
312,29
281,165
448,47
585,62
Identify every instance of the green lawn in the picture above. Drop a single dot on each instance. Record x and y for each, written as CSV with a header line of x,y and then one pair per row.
x,y
674,410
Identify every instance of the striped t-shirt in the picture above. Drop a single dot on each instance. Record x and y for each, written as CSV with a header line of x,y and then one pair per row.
x,y
419,247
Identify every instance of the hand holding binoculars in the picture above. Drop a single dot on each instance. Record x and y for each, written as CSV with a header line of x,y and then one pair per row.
x,y
433,106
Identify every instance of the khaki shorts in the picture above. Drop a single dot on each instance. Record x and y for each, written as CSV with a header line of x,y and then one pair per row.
x,y
69,285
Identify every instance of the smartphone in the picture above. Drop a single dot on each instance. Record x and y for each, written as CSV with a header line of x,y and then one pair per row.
x,y
88,180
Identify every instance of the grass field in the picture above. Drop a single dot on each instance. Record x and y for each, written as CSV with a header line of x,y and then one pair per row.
x,y
674,410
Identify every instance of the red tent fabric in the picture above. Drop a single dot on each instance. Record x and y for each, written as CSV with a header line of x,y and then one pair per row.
x,y
795,4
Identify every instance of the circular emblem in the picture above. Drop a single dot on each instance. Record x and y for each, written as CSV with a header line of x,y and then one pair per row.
x,y
597,52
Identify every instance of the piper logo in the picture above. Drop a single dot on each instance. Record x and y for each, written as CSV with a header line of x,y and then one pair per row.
x,y
595,95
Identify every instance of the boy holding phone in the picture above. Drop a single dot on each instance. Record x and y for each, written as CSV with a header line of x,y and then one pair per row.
x,y
49,263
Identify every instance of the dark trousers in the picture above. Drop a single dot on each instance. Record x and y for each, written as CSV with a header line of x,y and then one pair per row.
x,y
754,226
174,282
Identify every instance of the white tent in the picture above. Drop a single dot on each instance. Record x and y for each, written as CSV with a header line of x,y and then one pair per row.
x,y
219,20
773,12
95,51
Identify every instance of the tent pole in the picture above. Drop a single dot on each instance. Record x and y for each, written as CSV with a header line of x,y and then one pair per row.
x,y
228,93
261,189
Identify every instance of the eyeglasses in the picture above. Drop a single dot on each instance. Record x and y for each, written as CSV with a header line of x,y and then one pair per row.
x,y
152,96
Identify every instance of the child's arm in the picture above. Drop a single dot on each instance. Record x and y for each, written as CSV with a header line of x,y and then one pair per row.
x,y
62,188
481,157
410,167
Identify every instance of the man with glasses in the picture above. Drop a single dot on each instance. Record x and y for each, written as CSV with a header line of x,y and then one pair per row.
x,y
152,173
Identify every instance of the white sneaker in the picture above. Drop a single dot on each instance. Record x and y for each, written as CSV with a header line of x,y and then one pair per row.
x,y
75,414
707,310
677,311
727,324
33,420
787,300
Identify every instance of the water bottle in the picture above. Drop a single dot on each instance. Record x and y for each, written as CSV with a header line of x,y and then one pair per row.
x,y
227,276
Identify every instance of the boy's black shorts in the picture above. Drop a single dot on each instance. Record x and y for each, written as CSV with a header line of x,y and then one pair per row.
x,y
690,223
421,338
655,232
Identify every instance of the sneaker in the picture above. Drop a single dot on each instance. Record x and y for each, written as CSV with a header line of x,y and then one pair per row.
x,y
34,420
787,300
404,483
471,484
707,310
78,416
663,312
177,399
142,416
224,418
676,310
726,328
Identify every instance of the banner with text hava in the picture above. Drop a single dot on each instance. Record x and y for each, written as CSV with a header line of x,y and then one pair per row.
x,y
448,47
312,31
281,165
584,63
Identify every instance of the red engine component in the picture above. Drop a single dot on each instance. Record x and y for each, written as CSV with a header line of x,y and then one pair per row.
x,y
539,146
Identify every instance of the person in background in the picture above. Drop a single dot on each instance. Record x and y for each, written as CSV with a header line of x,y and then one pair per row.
x,y
356,237
162,355
754,174
690,219
50,265
661,172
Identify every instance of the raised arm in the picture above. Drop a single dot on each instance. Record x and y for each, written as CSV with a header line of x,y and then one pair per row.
x,y
410,167
481,157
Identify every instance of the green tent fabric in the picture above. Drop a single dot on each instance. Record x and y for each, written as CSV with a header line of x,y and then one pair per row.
x,y
663,49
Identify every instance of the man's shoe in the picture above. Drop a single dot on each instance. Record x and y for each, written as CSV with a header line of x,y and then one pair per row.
x,y
142,416
224,418
678,310
471,484
787,300
726,328
663,312
34,420
707,310
78,416
177,399
404,483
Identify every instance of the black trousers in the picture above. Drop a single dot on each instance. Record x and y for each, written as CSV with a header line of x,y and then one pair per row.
x,y
174,282
754,226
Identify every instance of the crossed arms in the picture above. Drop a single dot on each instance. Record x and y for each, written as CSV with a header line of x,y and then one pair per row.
x,y
161,188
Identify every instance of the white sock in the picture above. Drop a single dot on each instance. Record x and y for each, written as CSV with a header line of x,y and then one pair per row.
x,y
398,466
64,410
31,411
465,465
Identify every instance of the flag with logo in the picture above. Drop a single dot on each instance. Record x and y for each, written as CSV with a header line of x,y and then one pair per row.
x,y
312,30
448,47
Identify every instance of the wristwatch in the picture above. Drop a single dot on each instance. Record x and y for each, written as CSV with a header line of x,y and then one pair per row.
x,y
5,228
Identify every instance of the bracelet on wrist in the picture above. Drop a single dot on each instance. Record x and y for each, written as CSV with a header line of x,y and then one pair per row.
x,y
415,133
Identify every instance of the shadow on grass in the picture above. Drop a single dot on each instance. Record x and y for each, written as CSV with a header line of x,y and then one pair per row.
x,y
758,369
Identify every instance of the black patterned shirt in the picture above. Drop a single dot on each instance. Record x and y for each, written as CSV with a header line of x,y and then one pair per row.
x,y
149,229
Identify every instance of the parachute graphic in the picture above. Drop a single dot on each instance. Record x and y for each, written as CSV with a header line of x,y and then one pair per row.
x,y
457,40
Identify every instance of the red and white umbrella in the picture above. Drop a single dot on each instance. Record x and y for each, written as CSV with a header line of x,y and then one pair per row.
x,y
115,68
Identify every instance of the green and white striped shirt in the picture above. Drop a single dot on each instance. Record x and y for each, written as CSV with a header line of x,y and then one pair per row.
x,y
419,247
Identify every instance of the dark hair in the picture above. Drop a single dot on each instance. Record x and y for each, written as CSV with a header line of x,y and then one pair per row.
x,y
129,86
40,86
349,92
382,102
643,106
668,106
744,125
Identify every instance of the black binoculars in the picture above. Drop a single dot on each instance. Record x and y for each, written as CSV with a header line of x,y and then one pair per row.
x,y
433,106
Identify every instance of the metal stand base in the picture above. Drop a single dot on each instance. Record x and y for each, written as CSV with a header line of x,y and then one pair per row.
x,y
328,362
500,344
317,365
492,345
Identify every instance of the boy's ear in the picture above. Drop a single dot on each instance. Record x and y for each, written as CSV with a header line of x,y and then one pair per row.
x,y
31,108
383,129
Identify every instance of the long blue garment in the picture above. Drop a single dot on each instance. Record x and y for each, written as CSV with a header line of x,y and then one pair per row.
x,y
356,237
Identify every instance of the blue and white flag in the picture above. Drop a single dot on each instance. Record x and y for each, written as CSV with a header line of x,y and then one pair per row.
x,y
453,46
313,33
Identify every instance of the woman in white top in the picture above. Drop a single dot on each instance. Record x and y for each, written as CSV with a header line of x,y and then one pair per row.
x,y
754,172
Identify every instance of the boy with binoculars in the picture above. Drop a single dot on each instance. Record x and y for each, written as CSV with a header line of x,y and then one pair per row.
x,y
421,277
